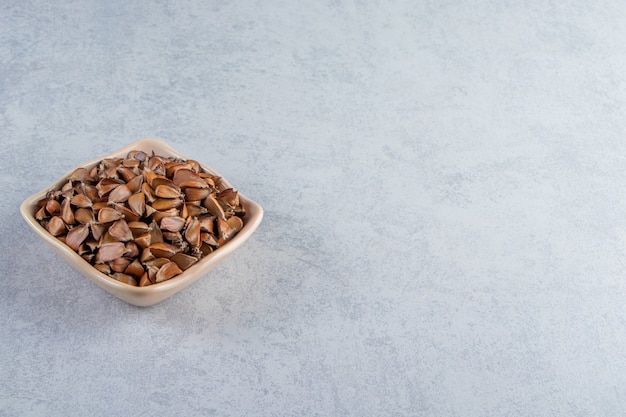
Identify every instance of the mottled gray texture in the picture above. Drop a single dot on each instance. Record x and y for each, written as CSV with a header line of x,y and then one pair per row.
x,y
444,188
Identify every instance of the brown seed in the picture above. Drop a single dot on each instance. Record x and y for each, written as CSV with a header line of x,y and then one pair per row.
x,y
162,250
104,268
125,278
90,191
108,214
175,238
137,203
127,213
132,250
187,178
135,184
144,281
192,232
99,205
168,271
143,241
149,211
207,223
84,216
138,155
158,262
66,212
98,230
158,216
184,261
156,236
120,231
195,210
146,255
77,236
110,251
167,191
229,197
196,194
53,207
149,175
210,239
119,264
41,213
79,174
135,268
166,203
205,250
148,192
235,222
173,223
120,194
214,207
131,162
226,231
106,185
81,200
138,228
126,173
56,226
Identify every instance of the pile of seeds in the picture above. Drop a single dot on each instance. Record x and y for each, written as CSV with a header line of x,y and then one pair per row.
x,y
142,219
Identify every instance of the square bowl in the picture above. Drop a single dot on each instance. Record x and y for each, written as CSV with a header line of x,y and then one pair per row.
x,y
152,294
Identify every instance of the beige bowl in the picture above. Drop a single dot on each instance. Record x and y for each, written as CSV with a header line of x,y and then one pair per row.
x,y
142,296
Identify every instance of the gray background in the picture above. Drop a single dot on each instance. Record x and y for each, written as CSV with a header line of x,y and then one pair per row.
x,y
443,184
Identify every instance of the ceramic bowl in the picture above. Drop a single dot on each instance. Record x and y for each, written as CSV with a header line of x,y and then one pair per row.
x,y
142,296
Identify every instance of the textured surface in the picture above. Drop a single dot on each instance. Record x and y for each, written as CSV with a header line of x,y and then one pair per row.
x,y
443,185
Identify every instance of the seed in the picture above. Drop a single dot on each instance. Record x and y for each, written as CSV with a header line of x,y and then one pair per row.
x,y
196,194
56,226
135,268
125,278
81,200
192,231
132,250
120,231
104,268
162,250
110,251
108,214
79,174
119,264
98,230
53,207
187,178
166,203
143,241
106,185
145,280
226,231
137,203
77,236
168,271
167,191
120,194
135,184
138,228
66,212
173,223
184,261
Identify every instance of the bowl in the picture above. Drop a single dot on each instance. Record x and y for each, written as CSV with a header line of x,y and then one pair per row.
x,y
152,294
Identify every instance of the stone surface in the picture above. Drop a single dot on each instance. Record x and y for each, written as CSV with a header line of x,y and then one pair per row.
x,y
443,185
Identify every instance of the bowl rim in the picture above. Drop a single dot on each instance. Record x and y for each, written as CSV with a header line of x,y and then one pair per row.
x,y
252,219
